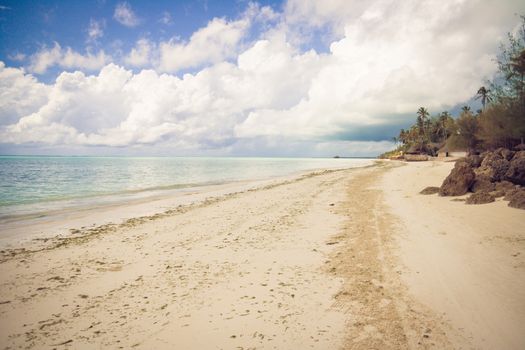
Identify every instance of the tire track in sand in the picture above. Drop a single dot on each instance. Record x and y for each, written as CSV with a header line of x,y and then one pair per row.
x,y
382,313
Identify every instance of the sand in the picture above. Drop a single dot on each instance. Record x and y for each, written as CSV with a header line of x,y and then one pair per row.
x,y
466,262
352,259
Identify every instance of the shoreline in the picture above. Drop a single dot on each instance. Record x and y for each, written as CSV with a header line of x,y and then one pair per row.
x,y
352,258
49,224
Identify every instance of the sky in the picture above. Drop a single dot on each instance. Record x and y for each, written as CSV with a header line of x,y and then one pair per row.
x,y
238,78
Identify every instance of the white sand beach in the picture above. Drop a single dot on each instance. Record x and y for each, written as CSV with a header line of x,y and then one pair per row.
x,y
349,259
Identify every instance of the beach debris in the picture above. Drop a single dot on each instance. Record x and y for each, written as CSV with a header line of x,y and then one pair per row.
x,y
430,190
458,182
64,343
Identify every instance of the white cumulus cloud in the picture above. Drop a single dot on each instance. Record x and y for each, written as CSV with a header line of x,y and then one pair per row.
x,y
20,94
215,42
142,55
386,60
67,58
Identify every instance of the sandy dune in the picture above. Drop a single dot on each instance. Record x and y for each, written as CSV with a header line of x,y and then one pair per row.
x,y
350,259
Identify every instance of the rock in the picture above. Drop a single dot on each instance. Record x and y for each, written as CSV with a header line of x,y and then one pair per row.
x,y
505,153
482,183
519,155
509,194
483,155
494,167
430,190
458,181
480,198
518,202
516,198
505,186
489,158
473,160
500,168
516,171
498,193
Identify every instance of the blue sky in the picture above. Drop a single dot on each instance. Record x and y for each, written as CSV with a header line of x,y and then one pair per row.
x,y
266,78
27,26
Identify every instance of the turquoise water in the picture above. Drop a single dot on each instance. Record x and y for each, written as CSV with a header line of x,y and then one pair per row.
x,y
33,184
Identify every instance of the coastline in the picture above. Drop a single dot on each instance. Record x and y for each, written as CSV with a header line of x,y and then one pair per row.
x,y
115,209
350,258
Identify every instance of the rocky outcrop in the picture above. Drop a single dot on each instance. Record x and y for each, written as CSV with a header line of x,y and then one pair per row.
x,y
482,183
474,161
505,186
491,175
516,198
498,193
458,181
493,167
510,194
505,153
430,190
480,198
516,171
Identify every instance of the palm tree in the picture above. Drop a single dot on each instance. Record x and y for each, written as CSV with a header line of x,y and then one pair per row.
x,y
483,93
465,109
422,115
442,125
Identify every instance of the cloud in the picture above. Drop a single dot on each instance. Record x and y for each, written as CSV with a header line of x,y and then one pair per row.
x,y
66,58
95,30
20,95
391,59
17,57
215,42
166,18
141,54
124,15
267,95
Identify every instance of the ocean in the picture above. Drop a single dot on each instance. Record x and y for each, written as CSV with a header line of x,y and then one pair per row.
x,y
33,185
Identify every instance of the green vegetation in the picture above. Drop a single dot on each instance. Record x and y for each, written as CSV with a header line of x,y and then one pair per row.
x,y
500,123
